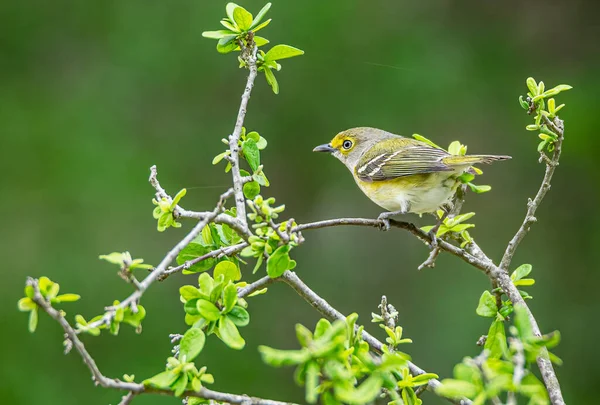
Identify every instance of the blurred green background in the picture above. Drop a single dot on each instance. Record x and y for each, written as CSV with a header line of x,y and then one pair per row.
x,y
93,93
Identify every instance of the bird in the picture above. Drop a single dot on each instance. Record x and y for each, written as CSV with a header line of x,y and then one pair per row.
x,y
401,175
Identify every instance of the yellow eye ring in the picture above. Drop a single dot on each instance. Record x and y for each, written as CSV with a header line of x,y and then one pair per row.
x,y
347,144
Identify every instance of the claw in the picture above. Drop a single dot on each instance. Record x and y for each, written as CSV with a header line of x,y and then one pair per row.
x,y
384,218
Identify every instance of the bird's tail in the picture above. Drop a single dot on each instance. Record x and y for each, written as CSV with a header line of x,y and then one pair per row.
x,y
472,159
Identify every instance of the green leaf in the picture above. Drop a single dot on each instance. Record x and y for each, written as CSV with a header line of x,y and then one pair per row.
x,y
323,325
227,44
229,334
220,157
366,392
192,251
26,304
251,153
251,189
178,198
261,14
521,271
205,284
270,76
479,189
180,385
258,28
496,339
191,307
134,319
522,323
239,316
217,34
229,297
279,261
33,319
304,335
229,270
312,381
451,388
191,344
487,305
229,10
208,310
282,52
242,18
189,292
162,380
454,148
427,141
67,298
114,258
279,358
532,86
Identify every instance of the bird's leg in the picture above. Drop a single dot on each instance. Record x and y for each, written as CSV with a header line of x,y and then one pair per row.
x,y
384,217
433,245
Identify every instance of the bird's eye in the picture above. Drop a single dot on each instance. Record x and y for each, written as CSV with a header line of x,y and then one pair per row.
x,y
347,144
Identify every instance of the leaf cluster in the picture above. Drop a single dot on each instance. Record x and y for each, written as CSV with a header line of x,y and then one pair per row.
x,y
540,102
181,373
335,365
49,291
240,35
214,305
213,237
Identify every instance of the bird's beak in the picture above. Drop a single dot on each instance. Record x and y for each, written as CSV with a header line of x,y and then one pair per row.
x,y
324,148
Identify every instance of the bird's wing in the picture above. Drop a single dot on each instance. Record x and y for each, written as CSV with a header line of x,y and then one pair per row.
x,y
399,157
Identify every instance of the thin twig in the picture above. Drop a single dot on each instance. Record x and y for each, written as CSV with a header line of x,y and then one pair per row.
x,y
557,126
223,251
234,157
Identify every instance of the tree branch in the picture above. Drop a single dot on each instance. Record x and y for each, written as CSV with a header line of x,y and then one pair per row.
x,y
132,388
410,227
134,298
234,158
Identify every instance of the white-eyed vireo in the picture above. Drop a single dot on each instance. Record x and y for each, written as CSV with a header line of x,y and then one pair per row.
x,y
400,174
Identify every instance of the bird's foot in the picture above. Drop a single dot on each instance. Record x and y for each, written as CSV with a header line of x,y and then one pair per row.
x,y
384,218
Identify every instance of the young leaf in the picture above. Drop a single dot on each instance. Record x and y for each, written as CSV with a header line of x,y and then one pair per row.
x,y
208,310
282,52
521,272
271,80
251,153
229,270
496,339
229,334
162,380
242,18
217,34
239,316
279,261
280,358
229,297
251,190
260,15
192,251
487,305
191,344
180,385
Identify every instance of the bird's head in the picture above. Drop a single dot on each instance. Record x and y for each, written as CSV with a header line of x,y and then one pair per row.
x,y
349,145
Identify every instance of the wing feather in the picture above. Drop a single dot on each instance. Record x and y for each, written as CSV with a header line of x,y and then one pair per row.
x,y
400,157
